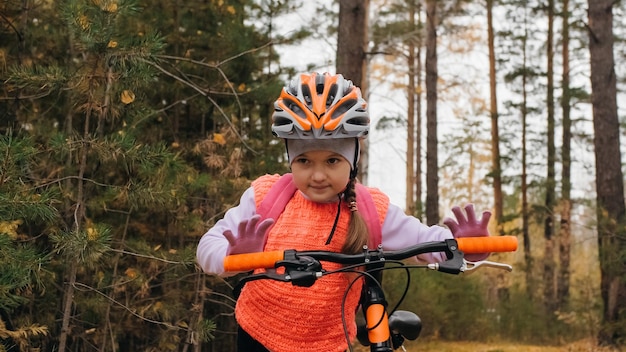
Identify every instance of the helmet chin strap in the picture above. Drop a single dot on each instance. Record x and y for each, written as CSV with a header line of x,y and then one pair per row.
x,y
332,231
355,170
353,173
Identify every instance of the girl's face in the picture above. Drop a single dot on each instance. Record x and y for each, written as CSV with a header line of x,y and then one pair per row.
x,y
320,174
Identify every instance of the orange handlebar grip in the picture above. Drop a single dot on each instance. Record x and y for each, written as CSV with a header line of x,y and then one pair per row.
x,y
490,244
251,261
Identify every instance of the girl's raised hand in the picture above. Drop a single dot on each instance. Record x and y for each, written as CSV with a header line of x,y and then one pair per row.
x,y
250,237
468,226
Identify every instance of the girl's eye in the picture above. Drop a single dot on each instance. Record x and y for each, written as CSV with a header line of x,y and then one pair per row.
x,y
333,160
301,160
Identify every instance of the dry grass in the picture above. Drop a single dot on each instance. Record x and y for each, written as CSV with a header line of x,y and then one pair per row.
x,y
442,346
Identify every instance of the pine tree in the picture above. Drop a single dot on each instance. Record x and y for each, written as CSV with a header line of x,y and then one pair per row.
x,y
21,277
145,140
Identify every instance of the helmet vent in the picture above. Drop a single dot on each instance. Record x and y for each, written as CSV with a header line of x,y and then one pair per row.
x,y
332,93
345,106
359,121
306,93
293,106
282,121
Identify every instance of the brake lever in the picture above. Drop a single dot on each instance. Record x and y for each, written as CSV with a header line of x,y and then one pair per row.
x,y
472,266
457,264
301,271
268,274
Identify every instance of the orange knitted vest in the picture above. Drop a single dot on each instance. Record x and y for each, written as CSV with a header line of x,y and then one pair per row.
x,y
288,318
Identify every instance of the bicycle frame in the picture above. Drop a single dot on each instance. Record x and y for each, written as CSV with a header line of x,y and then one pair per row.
x,y
384,332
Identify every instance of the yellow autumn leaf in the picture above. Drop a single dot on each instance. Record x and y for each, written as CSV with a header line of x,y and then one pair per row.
x,y
219,138
241,87
92,234
131,273
10,228
112,44
111,7
83,21
3,58
127,96
231,10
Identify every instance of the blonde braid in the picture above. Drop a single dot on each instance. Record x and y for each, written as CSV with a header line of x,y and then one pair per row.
x,y
358,233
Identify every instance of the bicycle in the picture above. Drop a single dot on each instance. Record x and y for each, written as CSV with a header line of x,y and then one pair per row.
x,y
383,331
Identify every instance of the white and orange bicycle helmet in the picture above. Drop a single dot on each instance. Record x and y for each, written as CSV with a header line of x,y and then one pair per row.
x,y
320,106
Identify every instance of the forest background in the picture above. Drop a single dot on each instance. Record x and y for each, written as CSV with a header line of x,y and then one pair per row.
x,y
128,127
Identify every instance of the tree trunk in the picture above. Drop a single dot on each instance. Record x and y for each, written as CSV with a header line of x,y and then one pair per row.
x,y
528,258
68,303
410,117
79,215
495,134
566,182
351,56
609,178
108,328
432,176
195,314
549,265
419,206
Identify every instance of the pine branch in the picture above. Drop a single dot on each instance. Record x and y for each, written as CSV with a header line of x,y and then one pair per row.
x,y
84,287
185,263
204,93
22,335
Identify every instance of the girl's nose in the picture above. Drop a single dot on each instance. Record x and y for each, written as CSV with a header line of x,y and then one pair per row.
x,y
318,174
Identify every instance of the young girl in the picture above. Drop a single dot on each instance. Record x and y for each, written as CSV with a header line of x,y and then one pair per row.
x,y
321,117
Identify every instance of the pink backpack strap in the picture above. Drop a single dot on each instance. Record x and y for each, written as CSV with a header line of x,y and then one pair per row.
x,y
367,208
276,199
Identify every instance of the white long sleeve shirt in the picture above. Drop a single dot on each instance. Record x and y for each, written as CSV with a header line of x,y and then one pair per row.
x,y
398,231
